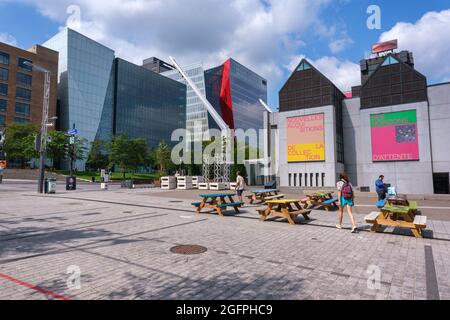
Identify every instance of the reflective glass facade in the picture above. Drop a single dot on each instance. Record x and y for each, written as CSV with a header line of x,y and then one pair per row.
x,y
234,91
196,113
85,86
147,105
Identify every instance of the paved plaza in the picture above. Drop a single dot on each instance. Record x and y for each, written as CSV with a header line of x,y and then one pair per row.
x,y
119,242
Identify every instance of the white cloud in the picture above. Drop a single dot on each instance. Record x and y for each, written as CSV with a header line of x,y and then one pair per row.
x,y
429,40
344,74
341,44
8,39
257,33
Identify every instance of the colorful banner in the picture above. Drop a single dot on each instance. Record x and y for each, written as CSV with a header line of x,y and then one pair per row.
x,y
395,136
306,138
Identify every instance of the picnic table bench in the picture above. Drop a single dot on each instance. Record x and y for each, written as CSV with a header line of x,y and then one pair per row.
x,y
261,196
287,209
398,216
218,202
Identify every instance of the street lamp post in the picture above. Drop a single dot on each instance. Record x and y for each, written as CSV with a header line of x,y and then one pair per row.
x,y
44,124
268,152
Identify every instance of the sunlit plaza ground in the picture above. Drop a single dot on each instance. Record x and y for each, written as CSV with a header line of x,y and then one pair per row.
x,y
119,242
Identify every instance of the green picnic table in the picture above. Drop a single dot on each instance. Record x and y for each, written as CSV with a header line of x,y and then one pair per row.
x,y
218,202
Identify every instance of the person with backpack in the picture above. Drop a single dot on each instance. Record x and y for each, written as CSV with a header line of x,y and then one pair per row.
x,y
346,198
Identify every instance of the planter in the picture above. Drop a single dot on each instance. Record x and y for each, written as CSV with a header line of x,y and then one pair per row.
x,y
127,184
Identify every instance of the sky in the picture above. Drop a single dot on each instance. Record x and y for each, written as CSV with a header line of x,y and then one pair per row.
x,y
268,36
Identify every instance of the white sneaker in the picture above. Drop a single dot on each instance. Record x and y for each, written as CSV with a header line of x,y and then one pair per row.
x,y
354,229
339,226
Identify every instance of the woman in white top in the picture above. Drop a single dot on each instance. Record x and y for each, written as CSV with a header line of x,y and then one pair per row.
x,y
346,198
240,186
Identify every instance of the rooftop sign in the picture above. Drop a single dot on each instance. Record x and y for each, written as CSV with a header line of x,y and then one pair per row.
x,y
385,46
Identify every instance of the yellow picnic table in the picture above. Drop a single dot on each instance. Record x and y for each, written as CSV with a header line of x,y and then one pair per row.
x,y
287,209
218,202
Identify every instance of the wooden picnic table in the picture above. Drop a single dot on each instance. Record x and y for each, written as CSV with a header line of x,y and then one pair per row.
x,y
319,199
287,209
260,196
218,202
398,216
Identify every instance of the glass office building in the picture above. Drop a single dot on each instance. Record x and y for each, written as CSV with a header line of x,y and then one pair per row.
x,y
196,113
234,91
147,105
85,85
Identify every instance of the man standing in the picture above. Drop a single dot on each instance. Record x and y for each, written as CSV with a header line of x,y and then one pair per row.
x,y
240,187
2,168
381,188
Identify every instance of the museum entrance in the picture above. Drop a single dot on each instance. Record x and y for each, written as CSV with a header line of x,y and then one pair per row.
x,y
441,183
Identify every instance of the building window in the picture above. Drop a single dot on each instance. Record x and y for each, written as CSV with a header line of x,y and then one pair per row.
x,y
4,74
3,105
290,180
21,120
323,179
317,180
2,120
24,79
295,179
4,58
22,63
22,93
390,60
22,108
306,179
304,66
311,176
300,179
3,89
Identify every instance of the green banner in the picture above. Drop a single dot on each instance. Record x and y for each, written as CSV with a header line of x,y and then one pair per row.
x,y
394,118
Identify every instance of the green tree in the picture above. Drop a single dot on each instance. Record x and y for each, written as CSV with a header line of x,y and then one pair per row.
x,y
127,154
99,155
162,157
56,147
79,149
20,142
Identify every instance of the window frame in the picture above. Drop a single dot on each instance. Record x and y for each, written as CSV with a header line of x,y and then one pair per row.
x,y
21,66
23,104
18,89
4,85
21,120
24,83
6,56
6,105
7,74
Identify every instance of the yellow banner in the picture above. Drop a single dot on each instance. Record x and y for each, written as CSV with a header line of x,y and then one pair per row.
x,y
306,152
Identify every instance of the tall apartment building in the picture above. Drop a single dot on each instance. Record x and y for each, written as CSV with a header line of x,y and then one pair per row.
x,y
22,86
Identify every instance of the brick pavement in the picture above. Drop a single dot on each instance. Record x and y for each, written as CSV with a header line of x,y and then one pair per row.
x,y
121,242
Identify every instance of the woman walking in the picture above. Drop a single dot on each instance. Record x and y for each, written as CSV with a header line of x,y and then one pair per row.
x,y
346,198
